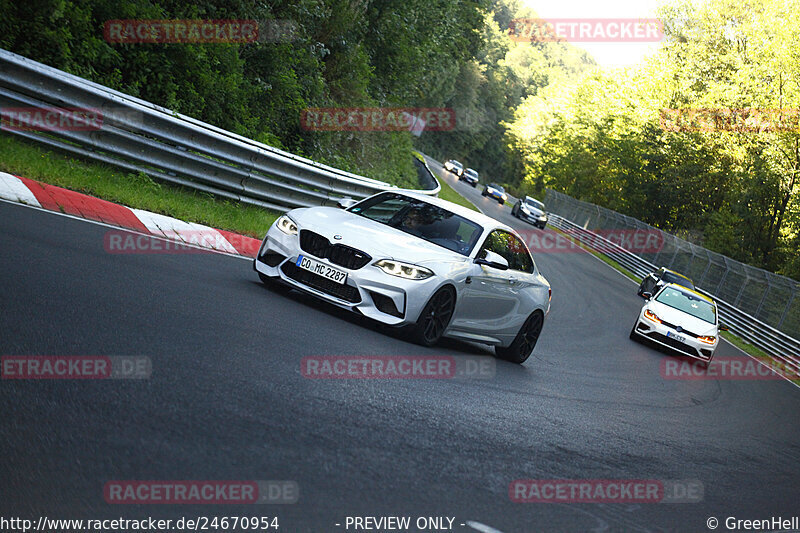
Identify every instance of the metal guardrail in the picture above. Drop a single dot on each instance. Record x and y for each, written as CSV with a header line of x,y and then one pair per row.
x,y
779,345
139,136
771,298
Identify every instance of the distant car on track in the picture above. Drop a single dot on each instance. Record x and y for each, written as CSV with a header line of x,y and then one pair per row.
x,y
681,319
454,167
408,260
496,192
530,210
470,176
653,282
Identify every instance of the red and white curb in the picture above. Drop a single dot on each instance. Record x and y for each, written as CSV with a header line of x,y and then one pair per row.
x,y
30,192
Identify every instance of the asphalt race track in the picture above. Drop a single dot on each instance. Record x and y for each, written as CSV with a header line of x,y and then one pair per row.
x,y
226,400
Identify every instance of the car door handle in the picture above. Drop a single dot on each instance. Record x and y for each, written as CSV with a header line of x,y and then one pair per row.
x,y
512,280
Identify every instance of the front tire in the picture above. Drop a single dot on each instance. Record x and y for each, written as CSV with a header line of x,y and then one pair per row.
x,y
525,341
435,317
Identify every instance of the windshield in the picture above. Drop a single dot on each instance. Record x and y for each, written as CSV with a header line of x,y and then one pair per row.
x,y
421,219
688,303
496,186
472,172
671,277
536,204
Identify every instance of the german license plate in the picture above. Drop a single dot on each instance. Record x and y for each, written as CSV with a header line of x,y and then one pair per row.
x,y
321,269
679,338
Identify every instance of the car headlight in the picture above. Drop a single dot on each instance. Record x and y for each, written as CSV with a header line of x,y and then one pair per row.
x,y
505,197
403,270
710,339
287,225
542,217
648,314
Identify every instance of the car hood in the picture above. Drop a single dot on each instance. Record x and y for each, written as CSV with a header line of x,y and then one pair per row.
x,y
679,318
378,240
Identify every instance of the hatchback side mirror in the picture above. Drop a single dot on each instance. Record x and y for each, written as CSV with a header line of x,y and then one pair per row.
x,y
647,295
493,260
723,327
346,202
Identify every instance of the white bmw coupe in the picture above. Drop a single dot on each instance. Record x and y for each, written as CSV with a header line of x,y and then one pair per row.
x,y
407,260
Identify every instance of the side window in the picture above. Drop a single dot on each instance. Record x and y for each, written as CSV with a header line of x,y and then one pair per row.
x,y
510,248
522,259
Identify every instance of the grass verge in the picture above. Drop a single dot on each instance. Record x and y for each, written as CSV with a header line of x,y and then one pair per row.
x,y
740,343
449,194
137,191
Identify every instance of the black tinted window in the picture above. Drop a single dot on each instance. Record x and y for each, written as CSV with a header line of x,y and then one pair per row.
x,y
421,219
669,277
511,249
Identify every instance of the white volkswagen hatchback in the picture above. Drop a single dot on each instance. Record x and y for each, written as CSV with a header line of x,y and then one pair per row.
x,y
407,260
680,319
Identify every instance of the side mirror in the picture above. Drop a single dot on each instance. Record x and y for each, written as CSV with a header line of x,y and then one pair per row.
x,y
647,295
346,202
493,260
723,327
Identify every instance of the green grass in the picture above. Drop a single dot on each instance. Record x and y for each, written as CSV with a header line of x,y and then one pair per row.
x,y
138,191
449,194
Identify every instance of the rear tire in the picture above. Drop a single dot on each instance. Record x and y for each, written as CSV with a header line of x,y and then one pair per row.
x,y
525,341
434,318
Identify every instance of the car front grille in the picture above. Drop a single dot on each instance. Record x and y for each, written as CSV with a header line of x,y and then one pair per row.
x,y
669,341
681,331
338,254
347,293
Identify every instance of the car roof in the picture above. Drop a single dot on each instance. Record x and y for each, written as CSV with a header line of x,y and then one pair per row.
x,y
475,216
688,290
665,269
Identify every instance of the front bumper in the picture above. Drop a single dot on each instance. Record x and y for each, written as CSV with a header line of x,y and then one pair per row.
x,y
368,290
658,333
531,218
